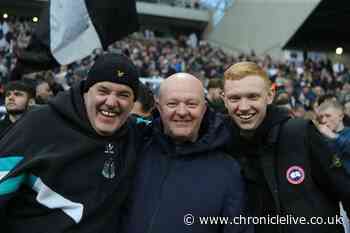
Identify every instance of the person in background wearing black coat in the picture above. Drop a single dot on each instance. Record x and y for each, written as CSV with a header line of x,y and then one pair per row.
x,y
287,164
183,175
144,105
214,95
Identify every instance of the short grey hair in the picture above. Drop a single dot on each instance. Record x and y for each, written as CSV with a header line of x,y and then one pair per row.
x,y
331,104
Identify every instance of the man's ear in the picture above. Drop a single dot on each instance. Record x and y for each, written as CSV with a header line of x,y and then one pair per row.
x,y
224,99
157,104
222,95
271,95
31,102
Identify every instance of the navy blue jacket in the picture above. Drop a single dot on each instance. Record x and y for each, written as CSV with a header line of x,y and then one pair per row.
x,y
179,183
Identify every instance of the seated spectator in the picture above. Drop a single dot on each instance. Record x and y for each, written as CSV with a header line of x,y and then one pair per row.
x,y
4,30
18,97
43,92
144,104
347,109
282,99
214,95
331,97
344,95
330,124
299,111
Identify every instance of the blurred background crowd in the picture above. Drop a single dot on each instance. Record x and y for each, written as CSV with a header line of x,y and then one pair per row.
x,y
299,84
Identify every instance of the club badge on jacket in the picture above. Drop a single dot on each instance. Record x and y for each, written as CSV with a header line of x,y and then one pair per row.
x,y
295,175
108,170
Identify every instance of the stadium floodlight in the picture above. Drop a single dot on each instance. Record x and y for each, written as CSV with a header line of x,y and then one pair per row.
x,y
35,19
5,16
339,51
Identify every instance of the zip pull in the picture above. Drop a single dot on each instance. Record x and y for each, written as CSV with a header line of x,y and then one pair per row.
x,y
109,167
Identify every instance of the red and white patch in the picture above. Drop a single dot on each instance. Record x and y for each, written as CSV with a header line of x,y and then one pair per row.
x,y
295,175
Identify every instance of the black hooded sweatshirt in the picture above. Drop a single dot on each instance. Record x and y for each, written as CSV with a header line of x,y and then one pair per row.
x,y
59,175
259,194
289,171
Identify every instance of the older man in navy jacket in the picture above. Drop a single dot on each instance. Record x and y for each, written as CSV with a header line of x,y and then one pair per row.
x,y
184,178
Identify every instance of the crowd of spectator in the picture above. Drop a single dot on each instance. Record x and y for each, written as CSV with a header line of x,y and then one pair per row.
x,y
298,84
302,86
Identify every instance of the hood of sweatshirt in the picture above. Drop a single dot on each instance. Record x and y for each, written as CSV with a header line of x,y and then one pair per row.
x,y
213,135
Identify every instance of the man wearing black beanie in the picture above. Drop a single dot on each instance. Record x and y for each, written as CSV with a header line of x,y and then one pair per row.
x,y
113,68
66,167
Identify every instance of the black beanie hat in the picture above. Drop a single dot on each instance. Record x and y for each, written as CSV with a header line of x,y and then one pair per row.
x,y
116,68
